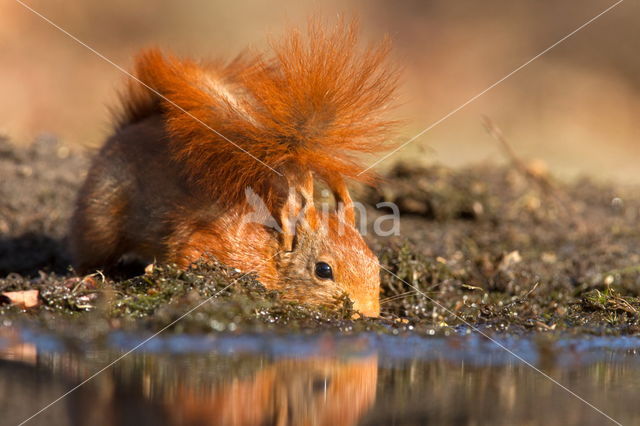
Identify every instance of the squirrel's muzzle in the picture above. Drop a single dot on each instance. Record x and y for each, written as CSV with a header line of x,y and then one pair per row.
x,y
369,308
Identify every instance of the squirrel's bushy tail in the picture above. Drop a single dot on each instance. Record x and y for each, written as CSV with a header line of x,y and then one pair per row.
x,y
314,103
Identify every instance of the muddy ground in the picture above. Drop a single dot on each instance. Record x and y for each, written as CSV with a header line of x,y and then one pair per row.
x,y
504,248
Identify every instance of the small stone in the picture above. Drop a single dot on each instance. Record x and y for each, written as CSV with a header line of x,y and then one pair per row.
x,y
617,203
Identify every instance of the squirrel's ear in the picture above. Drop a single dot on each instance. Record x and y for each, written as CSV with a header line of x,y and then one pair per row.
x,y
288,216
344,203
310,214
298,211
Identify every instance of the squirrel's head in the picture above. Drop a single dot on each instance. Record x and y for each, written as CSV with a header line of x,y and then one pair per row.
x,y
323,256
328,260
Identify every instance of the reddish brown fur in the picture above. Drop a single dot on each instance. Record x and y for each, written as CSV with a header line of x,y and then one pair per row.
x,y
167,187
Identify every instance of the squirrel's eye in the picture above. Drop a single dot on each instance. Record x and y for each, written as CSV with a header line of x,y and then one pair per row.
x,y
324,271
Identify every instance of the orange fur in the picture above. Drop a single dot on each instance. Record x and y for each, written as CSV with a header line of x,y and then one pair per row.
x,y
169,185
314,105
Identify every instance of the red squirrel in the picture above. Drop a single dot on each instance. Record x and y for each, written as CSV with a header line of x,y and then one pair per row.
x,y
194,138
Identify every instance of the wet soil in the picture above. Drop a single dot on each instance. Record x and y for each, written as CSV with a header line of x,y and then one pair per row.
x,y
485,246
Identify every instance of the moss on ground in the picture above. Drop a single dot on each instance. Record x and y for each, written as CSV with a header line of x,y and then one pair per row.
x,y
492,246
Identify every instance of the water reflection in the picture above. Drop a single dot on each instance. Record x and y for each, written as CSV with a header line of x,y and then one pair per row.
x,y
202,389
322,381
297,392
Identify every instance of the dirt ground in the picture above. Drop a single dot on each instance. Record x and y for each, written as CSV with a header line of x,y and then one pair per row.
x,y
503,248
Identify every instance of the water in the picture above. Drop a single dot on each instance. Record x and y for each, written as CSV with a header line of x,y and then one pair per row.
x,y
321,379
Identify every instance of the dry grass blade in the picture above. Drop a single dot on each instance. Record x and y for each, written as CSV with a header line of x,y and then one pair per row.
x,y
546,186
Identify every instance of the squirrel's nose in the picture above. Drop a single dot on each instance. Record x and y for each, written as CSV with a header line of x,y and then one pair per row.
x,y
369,308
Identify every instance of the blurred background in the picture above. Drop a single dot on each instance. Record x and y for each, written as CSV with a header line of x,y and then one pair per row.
x,y
576,108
